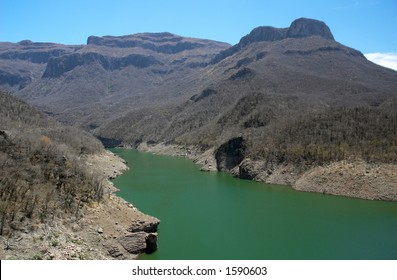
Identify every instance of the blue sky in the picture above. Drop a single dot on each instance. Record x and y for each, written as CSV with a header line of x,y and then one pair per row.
x,y
369,26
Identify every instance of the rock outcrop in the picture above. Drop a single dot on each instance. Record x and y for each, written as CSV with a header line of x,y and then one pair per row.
x,y
142,239
134,243
33,52
264,33
304,27
204,94
21,63
13,79
300,28
164,42
60,65
230,154
148,225
248,169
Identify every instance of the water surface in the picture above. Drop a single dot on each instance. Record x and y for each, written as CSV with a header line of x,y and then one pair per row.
x,y
215,216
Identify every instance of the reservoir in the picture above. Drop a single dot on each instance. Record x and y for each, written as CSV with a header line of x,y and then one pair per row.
x,y
215,216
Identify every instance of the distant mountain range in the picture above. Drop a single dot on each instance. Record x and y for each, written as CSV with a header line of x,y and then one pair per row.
x,y
281,96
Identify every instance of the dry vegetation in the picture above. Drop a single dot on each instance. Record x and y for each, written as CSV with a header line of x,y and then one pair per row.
x,y
42,174
333,135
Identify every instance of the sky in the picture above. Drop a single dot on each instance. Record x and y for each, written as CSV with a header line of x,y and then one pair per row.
x,y
366,25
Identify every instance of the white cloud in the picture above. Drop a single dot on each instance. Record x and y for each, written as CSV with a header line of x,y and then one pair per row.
x,y
388,60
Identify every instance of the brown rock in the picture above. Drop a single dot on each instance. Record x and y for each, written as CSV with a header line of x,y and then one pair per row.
x,y
134,243
151,243
147,225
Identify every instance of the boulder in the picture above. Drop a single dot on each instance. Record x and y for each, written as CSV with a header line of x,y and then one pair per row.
x,y
247,170
147,225
151,243
134,243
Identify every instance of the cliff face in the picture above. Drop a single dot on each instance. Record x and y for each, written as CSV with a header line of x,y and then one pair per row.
x,y
57,66
304,27
24,62
165,43
109,70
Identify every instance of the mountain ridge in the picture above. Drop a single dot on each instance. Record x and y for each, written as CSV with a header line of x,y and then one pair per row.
x,y
299,28
207,95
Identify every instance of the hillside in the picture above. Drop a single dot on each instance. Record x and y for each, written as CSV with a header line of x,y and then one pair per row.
x,y
24,62
274,108
109,75
280,103
268,90
50,194
38,155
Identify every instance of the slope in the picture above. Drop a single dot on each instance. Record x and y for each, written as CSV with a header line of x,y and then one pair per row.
x,y
274,107
265,84
110,75
51,197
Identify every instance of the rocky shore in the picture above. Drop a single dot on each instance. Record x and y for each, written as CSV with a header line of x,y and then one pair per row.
x,y
205,159
111,229
355,178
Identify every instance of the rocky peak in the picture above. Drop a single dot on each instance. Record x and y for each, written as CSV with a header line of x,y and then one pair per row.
x,y
300,28
304,27
25,43
263,33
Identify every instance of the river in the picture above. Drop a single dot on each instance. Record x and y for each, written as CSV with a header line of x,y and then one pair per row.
x,y
215,216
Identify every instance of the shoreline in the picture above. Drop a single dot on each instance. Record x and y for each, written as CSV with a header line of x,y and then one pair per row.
x,y
125,228
355,179
107,230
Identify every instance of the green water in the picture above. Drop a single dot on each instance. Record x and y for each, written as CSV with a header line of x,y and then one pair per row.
x,y
216,216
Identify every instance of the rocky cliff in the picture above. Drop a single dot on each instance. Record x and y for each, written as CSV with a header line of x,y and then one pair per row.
x,y
22,63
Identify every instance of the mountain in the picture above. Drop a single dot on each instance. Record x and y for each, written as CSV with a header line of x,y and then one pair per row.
x,y
275,107
268,83
102,79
